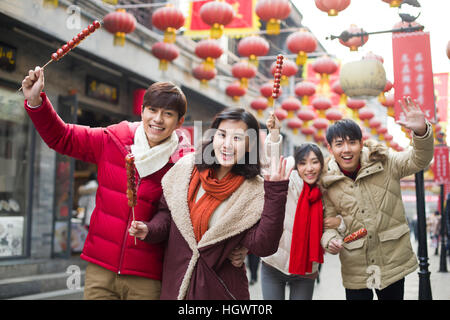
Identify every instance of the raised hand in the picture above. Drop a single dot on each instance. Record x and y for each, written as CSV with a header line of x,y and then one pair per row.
x,y
277,171
272,122
32,86
414,116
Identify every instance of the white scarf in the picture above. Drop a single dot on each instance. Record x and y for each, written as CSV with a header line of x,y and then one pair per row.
x,y
151,159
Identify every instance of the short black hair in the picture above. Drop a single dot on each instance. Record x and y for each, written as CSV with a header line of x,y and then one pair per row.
x,y
303,151
165,95
249,168
345,129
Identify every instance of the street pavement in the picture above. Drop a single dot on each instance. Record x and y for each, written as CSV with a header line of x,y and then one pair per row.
x,y
331,288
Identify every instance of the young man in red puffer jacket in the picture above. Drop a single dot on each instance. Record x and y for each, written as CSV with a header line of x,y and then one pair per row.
x,y
119,269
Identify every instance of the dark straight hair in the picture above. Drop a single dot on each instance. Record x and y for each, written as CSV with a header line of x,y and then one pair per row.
x,y
345,129
250,166
303,151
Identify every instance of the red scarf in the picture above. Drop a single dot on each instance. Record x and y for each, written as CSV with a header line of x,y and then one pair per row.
x,y
307,231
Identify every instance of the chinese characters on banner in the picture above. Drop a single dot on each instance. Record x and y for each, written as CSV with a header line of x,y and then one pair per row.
x,y
441,165
245,19
413,75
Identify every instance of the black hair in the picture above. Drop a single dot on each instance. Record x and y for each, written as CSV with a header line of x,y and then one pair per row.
x,y
345,129
165,95
303,151
249,166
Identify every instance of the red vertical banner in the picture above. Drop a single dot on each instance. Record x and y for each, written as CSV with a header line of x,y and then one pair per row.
x,y
441,165
413,74
441,92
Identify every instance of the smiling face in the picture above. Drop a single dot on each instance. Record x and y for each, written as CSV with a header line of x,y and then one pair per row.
x,y
309,168
159,123
230,142
346,152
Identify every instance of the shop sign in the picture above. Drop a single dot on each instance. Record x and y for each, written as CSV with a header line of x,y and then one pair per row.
x,y
8,56
101,90
441,165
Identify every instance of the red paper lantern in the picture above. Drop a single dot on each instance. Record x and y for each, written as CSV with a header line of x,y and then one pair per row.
x,y
294,124
332,7
266,91
253,47
324,66
281,114
382,96
388,137
289,69
305,90
357,41
355,105
165,52
381,132
204,74
321,104
393,3
243,71
320,138
138,98
235,90
336,88
259,104
393,145
208,50
333,115
320,124
308,132
217,14
374,124
306,115
389,103
301,43
291,105
119,23
272,11
168,19
365,114
365,135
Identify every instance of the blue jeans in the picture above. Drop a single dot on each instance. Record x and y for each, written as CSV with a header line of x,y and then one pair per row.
x,y
273,283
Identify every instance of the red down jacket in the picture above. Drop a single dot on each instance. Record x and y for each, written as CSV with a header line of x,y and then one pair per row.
x,y
108,243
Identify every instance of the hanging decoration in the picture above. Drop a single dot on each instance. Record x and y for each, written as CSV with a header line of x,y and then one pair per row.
x,y
306,115
324,66
291,105
165,52
119,23
389,103
363,78
321,124
243,71
281,114
204,73
253,47
305,90
290,69
216,14
309,132
168,19
356,41
235,90
374,124
273,11
382,95
332,7
355,105
301,43
381,132
266,91
294,124
209,50
365,114
333,115
321,104
259,104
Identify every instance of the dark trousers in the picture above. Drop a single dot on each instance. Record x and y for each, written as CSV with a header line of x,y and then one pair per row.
x,y
394,291
253,264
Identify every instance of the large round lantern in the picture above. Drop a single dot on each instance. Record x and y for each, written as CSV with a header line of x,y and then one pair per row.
x,y
165,52
217,14
281,114
290,69
365,114
168,19
321,104
291,105
355,105
333,115
324,66
355,42
259,104
119,23
393,3
389,103
253,47
374,124
309,132
235,90
306,115
272,11
204,74
305,90
332,7
266,91
320,124
301,43
208,50
243,71
294,124
363,78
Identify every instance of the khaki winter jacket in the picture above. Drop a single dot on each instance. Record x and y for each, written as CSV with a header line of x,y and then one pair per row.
x,y
374,201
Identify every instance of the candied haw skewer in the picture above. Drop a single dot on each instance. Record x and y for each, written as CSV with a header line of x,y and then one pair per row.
x,y
277,76
131,185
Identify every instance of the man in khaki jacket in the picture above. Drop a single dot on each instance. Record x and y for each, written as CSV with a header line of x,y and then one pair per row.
x,y
363,185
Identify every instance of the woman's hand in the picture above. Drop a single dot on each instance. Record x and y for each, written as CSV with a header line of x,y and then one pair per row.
x,y
335,246
277,172
32,86
138,229
331,222
414,117
237,256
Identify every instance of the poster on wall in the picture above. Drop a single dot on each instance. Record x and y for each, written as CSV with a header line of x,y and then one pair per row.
x,y
11,236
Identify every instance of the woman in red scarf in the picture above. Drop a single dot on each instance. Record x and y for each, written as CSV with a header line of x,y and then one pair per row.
x,y
299,254
213,202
